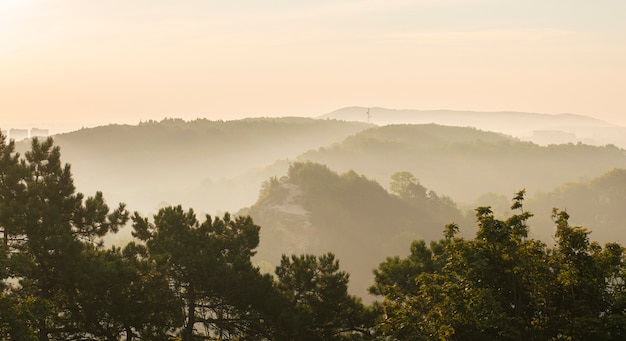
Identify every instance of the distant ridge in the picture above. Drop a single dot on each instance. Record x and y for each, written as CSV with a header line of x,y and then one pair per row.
x,y
187,161
386,116
539,128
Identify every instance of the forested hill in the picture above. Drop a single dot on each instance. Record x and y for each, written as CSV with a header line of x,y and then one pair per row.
x,y
220,165
465,163
538,128
597,203
163,161
315,210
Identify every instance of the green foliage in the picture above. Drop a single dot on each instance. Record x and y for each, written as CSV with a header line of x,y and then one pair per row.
x,y
589,287
209,270
503,285
124,293
318,292
47,229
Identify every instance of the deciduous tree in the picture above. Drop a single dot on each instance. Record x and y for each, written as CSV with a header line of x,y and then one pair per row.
x,y
504,285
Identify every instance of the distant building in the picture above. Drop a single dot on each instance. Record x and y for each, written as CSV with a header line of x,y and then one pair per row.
x,y
36,132
18,134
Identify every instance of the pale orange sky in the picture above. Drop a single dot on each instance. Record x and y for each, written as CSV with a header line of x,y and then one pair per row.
x,y
65,64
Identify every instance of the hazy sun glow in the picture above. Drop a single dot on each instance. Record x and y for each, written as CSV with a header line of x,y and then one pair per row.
x,y
70,63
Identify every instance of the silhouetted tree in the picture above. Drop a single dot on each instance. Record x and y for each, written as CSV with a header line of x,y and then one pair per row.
x,y
209,269
46,228
318,292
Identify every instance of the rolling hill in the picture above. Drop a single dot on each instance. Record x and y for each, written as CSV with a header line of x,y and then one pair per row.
x,y
328,178
542,129
597,204
465,163
191,162
316,210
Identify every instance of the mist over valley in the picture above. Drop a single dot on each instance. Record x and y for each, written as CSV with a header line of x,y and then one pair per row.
x,y
314,219
226,166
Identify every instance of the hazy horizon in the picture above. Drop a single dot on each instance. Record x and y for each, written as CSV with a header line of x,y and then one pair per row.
x,y
69,64
71,126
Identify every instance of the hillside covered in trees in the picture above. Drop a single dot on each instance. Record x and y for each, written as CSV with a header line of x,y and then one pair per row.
x,y
315,210
217,166
456,161
188,278
191,162
538,128
220,165
597,202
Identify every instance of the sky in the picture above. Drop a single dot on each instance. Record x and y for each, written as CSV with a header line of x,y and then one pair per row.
x,y
67,64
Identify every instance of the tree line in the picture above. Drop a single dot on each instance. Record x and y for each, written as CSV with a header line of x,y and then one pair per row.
x,y
190,278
